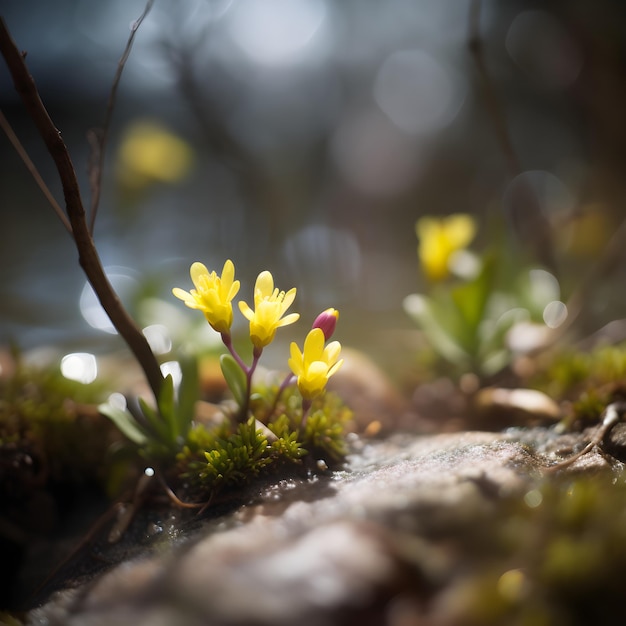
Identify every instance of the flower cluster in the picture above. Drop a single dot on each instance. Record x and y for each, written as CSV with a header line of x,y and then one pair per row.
x,y
479,309
311,367
439,239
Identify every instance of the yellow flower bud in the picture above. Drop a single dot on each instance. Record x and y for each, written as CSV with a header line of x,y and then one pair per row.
x,y
212,294
315,364
269,307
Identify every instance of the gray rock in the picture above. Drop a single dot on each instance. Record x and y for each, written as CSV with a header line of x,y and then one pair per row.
x,y
353,546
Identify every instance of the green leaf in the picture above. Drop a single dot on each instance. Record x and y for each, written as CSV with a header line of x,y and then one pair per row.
x,y
471,298
235,378
125,422
155,420
423,311
167,407
188,394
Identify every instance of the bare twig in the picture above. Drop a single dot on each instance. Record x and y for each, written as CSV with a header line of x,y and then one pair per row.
x,y
176,500
612,415
87,253
538,226
526,212
255,182
98,138
611,255
492,103
30,166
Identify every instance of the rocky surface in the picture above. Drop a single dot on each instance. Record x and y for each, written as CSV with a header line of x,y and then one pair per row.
x,y
384,541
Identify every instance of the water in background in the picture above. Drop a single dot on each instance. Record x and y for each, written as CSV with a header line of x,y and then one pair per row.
x,y
311,136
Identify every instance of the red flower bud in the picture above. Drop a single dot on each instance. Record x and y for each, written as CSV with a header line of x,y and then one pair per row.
x,y
326,321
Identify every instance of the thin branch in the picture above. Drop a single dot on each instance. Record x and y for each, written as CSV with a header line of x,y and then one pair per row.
x,y
611,416
176,500
30,166
255,181
98,138
576,304
87,253
612,252
492,102
527,216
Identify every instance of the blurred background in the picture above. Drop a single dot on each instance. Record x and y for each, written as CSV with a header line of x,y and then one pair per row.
x,y
307,137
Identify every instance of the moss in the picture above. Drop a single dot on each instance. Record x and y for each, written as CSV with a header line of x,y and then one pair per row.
x,y
586,381
51,432
233,455
50,429
560,559
6,619
570,372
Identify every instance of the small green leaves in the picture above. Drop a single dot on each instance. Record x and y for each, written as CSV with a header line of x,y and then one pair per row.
x,y
125,422
161,431
236,458
230,454
230,447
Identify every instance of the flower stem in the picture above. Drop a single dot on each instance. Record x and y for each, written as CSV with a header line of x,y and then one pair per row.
x,y
248,371
306,408
228,342
256,355
288,380
88,257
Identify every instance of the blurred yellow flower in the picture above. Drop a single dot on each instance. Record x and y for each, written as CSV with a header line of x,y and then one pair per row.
x,y
315,364
269,307
586,234
212,294
439,239
150,153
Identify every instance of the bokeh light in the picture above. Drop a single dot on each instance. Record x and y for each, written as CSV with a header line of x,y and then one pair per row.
x,y
80,366
542,47
278,31
124,284
373,155
417,92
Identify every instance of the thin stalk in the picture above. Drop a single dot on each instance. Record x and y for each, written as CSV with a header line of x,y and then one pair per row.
x,y
256,355
87,254
288,380
34,172
100,137
306,408
228,342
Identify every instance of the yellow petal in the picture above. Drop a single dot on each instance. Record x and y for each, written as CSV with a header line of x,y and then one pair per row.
x,y
314,345
290,296
197,271
264,286
331,352
296,361
334,368
288,319
246,311
460,229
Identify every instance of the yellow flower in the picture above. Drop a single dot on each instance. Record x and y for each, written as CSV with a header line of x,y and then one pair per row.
x,y
315,364
439,239
269,307
150,153
212,294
